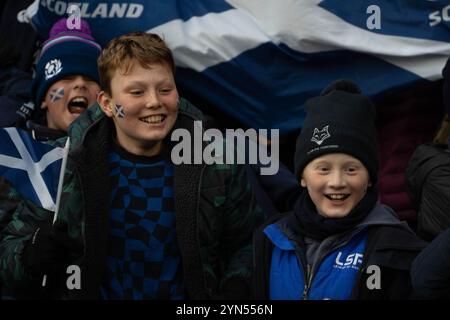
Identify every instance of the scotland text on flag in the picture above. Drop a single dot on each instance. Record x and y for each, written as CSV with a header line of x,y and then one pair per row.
x,y
32,167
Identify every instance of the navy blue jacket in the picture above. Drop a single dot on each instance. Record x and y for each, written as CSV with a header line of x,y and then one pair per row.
x,y
430,272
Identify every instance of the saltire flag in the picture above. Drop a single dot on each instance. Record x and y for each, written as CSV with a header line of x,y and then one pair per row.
x,y
32,167
260,60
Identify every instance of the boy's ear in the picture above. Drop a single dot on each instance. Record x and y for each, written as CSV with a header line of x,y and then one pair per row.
x,y
302,183
105,102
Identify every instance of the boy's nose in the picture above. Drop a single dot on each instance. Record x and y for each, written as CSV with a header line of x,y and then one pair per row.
x,y
79,82
152,100
337,179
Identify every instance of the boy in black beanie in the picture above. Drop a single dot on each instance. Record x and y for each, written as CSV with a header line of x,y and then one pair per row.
x,y
339,242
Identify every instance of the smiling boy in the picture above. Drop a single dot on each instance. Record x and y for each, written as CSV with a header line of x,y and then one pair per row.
x,y
144,105
336,183
149,229
338,232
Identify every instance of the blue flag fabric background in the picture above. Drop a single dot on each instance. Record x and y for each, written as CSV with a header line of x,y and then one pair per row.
x,y
260,60
32,167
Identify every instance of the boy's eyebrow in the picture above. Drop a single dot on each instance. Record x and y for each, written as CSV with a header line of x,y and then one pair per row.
x,y
352,163
134,83
347,163
321,162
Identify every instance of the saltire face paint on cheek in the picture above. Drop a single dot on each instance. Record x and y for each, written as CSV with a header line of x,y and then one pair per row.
x,y
56,94
119,111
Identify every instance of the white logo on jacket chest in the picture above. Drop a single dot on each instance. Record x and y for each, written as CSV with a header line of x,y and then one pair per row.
x,y
353,260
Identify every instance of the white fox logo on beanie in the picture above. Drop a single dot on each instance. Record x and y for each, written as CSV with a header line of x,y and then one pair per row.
x,y
320,136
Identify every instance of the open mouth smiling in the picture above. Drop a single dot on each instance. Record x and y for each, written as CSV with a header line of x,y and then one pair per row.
x,y
155,119
337,196
77,105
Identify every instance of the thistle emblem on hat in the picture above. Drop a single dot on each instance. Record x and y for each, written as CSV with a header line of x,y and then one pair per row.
x,y
320,136
52,68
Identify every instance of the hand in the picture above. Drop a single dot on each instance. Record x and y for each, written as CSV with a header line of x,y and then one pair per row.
x,y
48,248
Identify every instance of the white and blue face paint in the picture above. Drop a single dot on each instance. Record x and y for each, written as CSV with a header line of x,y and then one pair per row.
x,y
56,94
119,111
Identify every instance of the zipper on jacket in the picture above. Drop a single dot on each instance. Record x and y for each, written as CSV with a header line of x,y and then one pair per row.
x,y
308,278
309,274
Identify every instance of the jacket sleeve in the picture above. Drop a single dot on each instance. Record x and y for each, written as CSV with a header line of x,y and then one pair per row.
x,y
18,226
430,272
71,207
282,188
392,249
241,215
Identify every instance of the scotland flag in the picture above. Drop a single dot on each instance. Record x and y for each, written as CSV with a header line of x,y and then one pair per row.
x,y
32,167
260,60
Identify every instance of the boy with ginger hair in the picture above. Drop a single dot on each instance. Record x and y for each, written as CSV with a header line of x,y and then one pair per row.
x,y
148,229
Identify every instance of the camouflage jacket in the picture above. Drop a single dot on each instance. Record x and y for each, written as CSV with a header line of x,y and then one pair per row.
x,y
215,216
